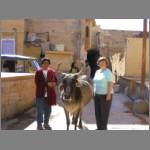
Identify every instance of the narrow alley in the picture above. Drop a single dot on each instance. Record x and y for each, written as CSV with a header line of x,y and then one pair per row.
x,y
28,43
121,117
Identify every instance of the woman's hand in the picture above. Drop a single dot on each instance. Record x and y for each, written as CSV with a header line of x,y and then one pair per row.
x,y
108,97
110,88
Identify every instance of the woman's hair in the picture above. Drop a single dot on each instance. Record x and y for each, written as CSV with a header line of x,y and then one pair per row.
x,y
103,59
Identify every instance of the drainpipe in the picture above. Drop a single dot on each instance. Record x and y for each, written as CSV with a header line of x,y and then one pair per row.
x,y
15,33
143,69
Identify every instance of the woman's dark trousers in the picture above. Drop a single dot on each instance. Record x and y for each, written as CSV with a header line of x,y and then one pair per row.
x,y
102,109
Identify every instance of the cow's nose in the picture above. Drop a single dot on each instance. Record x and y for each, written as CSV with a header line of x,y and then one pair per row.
x,y
66,96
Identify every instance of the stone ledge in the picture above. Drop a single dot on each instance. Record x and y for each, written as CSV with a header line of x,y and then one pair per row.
x,y
143,117
16,76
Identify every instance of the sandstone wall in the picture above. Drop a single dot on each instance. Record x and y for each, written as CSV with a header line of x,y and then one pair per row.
x,y
134,57
66,58
61,31
18,94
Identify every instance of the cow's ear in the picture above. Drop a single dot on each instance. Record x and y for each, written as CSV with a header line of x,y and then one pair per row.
x,y
78,83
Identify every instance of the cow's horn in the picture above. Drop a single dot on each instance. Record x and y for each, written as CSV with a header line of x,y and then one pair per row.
x,y
63,74
80,72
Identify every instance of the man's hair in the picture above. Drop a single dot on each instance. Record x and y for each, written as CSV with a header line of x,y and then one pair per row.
x,y
45,59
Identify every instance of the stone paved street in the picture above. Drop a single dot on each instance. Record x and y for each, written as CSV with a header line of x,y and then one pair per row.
x,y
121,117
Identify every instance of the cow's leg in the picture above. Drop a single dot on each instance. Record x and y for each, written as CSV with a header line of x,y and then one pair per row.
x,y
67,118
73,118
80,121
76,119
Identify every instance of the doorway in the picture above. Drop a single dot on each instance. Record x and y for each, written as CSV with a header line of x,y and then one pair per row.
x,y
92,57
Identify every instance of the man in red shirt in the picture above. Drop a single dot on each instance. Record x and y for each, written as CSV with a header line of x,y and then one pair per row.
x,y
45,80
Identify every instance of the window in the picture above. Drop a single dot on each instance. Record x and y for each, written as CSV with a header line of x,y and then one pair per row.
x,y
7,46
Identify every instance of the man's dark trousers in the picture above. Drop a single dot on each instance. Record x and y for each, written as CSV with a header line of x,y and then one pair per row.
x,y
42,109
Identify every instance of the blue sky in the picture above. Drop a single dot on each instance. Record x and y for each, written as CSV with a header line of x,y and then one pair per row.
x,y
122,24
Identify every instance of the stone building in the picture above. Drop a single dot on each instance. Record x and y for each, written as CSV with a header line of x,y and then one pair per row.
x,y
67,40
73,35
133,58
114,45
14,29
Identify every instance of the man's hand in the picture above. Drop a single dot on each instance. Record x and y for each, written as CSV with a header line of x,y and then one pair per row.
x,y
51,84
